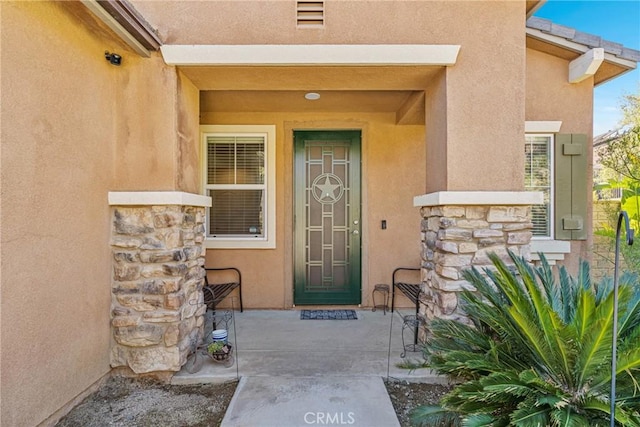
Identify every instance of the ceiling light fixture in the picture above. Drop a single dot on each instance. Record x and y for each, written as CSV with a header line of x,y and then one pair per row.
x,y
312,96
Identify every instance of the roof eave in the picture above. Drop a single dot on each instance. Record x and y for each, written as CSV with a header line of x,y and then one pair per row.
x,y
533,6
624,65
123,19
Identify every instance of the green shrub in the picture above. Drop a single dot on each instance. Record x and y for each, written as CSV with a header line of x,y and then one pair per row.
x,y
538,351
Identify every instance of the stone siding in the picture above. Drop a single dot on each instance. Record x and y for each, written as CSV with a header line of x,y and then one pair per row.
x,y
157,311
455,238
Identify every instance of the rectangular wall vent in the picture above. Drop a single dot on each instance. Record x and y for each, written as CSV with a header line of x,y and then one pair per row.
x,y
310,14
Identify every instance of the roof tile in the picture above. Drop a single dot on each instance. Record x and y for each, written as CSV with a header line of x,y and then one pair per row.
x,y
590,40
630,54
539,24
587,39
562,31
611,47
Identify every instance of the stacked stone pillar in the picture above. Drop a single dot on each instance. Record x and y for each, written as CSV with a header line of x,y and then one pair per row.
x,y
457,237
157,310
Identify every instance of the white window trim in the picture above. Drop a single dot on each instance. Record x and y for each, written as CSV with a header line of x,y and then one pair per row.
x,y
542,126
552,188
269,240
553,250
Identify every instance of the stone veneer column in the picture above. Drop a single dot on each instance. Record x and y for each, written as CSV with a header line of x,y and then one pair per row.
x,y
157,304
459,230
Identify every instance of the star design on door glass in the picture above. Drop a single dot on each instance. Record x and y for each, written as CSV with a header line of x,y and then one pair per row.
x,y
327,188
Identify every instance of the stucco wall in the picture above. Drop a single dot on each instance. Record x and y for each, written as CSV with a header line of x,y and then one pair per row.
x,y
551,97
436,133
485,89
188,143
146,123
393,159
58,104
485,99
74,127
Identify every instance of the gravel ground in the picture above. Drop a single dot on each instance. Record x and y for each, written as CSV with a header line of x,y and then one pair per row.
x,y
125,402
405,396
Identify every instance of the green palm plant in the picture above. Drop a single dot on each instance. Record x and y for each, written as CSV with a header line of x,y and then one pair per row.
x,y
537,351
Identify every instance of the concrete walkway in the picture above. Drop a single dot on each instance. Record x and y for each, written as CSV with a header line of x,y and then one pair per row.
x,y
312,372
287,401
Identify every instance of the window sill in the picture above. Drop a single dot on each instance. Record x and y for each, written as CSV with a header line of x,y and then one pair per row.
x,y
553,250
239,244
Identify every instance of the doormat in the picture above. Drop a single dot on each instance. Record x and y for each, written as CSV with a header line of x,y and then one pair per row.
x,y
328,315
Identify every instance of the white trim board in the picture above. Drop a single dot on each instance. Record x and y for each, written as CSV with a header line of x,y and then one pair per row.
x,y
316,54
553,250
157,198
531,126
467,198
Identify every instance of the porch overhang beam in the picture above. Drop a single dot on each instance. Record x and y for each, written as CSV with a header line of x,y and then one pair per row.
x,y
412,111
586,65
310,55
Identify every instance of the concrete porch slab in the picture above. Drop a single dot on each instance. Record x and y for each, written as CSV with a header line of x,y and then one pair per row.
x,y
276,343
304,401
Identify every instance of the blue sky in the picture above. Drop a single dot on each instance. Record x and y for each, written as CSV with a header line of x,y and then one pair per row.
x,y
613,20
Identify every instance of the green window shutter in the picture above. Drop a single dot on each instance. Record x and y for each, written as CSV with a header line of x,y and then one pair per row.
x,y
571,187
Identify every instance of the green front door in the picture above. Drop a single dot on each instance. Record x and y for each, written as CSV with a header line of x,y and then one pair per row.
x,y
327,217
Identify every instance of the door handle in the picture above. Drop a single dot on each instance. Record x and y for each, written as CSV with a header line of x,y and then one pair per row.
x,y
356,232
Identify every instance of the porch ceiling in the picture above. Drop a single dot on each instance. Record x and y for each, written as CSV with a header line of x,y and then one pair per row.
x,y
312,78
377,89
287,101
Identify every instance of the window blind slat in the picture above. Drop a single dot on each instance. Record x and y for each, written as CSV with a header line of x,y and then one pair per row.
x,y
236,160
538,178
236,212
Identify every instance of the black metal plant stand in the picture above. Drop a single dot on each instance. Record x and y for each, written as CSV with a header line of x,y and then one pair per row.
x,y
413,323
629,234
383,291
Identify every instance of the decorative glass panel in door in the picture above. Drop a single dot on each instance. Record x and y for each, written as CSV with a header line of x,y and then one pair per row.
x,y
327,217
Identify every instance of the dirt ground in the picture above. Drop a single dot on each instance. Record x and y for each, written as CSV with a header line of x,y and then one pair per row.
x,y
405,396
124,402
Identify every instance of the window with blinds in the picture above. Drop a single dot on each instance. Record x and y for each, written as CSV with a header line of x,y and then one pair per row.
x,y
539,177
235,181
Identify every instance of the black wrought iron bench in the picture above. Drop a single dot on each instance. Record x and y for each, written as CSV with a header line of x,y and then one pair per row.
x,y
411,290
220,289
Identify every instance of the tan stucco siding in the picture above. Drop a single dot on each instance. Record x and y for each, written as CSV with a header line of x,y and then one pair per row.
x,y
74,127
346,22
484,90
551,97
58,104
393,159
485,102
146,123
436,133
188,137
